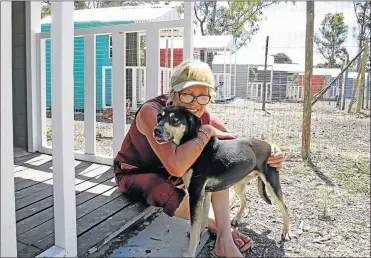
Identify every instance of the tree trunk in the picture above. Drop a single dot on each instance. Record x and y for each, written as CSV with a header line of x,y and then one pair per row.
x,y
265,73
355,87
368,91
363,73
307,105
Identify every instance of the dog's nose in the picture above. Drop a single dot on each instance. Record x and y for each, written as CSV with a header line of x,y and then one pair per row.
x,y
157,131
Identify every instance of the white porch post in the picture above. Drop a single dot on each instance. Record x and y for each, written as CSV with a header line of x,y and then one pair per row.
x,y
8,227
235,73
224,74
118,89
153,84
134,89
33,9
62,50
189,14
90,94
230,74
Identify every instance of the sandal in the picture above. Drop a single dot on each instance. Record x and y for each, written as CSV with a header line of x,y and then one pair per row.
x,y
242,249
246,246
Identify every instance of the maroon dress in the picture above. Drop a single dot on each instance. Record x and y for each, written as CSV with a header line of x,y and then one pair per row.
x,y
156,188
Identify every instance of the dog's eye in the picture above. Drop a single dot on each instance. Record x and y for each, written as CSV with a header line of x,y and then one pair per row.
x,y
158,117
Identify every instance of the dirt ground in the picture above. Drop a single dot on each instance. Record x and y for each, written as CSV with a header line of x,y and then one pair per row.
x,y
328,201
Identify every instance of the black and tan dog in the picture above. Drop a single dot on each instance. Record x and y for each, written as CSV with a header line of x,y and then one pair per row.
x,y
222,164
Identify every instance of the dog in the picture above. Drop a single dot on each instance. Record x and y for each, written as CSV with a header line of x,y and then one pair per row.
x,y
222,164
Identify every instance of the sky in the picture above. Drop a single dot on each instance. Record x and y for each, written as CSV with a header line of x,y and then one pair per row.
x,y
285,24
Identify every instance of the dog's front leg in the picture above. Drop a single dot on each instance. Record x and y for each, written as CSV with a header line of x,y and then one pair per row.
x,y
206,204
196,202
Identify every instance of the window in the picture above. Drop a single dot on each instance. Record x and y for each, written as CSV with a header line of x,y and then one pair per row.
x,y
110,46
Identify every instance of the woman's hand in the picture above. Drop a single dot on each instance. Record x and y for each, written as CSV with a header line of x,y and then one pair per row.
x,y
212,131
276,158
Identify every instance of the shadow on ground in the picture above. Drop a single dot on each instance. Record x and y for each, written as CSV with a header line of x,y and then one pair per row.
x,y
263,245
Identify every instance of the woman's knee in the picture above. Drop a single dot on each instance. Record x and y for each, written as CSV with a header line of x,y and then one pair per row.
x,y
156,189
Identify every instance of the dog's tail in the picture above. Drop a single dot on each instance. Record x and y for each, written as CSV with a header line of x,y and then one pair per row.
x,y
262,192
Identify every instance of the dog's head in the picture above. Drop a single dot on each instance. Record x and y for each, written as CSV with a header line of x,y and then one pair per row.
x,y
176,124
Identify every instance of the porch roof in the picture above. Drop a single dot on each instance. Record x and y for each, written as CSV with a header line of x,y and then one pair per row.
x,y
135,14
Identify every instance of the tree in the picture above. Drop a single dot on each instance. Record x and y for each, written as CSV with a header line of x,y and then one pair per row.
x,y
362,11
282,58
238,18
332,34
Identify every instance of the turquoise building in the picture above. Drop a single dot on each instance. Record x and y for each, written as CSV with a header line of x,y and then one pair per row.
x,y
92,18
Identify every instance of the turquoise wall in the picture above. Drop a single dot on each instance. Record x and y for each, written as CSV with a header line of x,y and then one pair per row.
x,y
102,59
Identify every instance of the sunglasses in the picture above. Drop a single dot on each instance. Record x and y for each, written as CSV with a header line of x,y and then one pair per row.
x,y
189,98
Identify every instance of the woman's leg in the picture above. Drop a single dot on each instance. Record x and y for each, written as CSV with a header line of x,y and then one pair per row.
x,y
224,245
221,200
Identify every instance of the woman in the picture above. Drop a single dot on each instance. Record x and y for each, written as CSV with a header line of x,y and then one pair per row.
x,y
192,86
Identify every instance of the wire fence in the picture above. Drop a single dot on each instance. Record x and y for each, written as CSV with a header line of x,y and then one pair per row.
x,y
242,87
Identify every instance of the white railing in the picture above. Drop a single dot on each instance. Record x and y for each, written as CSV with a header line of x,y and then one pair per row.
x,y
147,82
294,92
138,82
255,91
165,81
223,82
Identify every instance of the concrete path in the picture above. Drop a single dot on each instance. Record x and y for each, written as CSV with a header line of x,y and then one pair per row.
x,y
164,237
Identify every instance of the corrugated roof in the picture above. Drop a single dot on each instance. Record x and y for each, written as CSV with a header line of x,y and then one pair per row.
x,y
137,14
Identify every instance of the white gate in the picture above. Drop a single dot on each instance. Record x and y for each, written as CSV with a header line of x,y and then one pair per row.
x,y
223,84
295,92
255,91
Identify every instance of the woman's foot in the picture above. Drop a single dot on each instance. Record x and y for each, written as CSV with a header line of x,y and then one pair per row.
x,y
225,247
241,241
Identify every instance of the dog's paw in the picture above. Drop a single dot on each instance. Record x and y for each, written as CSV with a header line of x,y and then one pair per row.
x,y
287,236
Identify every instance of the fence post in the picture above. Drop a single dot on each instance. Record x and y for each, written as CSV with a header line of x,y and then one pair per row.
x,y
362,82
307,105
345,84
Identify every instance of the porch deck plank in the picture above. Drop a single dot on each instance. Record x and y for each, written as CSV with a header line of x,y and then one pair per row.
x,y
44,199
100,208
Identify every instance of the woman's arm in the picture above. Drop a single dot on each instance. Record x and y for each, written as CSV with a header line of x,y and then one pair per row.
x,y
176,159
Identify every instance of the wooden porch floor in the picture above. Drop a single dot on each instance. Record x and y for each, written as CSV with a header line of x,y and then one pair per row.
x,y
102,212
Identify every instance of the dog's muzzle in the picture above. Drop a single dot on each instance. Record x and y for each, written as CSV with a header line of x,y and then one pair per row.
x,y
160,135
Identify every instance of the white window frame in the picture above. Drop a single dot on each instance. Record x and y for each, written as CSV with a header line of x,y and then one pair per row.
x,y
110,46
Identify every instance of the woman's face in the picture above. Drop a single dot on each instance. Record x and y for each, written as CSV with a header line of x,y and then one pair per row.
x,y
199,94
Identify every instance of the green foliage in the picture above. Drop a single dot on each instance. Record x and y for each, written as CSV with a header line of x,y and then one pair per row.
x,y
238,18
362,11
282,58
332,34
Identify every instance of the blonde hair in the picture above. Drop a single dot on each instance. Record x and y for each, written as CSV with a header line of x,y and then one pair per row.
x,y
192,70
